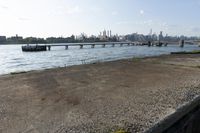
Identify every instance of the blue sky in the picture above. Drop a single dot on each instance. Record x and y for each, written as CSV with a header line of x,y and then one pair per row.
x,y
43,18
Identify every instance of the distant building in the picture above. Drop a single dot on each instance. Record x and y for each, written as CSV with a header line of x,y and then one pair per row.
x,y
108,33
2,39
15,39
160,37
81,37
105,35
151,32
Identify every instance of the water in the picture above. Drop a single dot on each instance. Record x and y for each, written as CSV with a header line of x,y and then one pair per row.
x,y
12,59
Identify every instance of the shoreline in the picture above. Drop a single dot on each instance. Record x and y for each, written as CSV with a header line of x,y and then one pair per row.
x,y
89,63
130,94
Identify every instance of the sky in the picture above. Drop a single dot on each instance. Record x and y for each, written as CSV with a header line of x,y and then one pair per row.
x,y
44,18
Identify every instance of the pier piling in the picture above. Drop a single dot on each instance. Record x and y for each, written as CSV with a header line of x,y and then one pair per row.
x,y
181,44
93,45
49,48
81,46
112,44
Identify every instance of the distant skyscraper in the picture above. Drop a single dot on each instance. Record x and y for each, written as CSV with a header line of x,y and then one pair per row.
x,y
110,33
104,33
160,36
151,32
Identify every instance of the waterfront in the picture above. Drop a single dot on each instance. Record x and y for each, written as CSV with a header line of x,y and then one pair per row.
x,y
133,95
14,60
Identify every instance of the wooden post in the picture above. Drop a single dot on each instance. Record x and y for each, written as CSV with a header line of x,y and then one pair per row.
x,y
104,45
93,45
113,45
81,46
149,43
121,44
182,42
66,47
49,48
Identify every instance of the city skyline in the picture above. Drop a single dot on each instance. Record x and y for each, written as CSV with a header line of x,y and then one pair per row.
x,y
44,18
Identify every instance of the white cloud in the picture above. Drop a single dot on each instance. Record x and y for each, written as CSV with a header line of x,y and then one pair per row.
x,y
63,10
23,19
114,13
3,7
195,29
73,10
141,12
123,22
96,9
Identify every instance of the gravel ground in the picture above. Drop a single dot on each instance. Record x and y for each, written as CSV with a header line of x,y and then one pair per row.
x,y
129,94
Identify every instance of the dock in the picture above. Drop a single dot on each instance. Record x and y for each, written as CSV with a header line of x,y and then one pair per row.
x,y
104,44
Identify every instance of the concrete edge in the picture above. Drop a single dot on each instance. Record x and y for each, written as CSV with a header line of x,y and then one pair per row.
x,y
170,120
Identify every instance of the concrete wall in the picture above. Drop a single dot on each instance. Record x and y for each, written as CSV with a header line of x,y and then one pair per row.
x,y
184,120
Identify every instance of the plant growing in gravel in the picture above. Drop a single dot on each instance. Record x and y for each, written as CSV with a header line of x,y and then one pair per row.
x,y
120,131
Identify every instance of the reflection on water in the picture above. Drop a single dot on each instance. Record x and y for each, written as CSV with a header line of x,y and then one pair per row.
x,y
12,59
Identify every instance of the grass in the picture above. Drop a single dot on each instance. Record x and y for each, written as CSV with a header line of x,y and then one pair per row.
x,y
14,73
184,52
196,52
198,67
120,131
136,59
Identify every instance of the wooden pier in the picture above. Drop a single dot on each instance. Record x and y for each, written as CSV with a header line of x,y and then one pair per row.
x,y
104,44
111,44
81,45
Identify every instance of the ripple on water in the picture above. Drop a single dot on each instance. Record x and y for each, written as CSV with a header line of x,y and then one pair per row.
x,y
13,59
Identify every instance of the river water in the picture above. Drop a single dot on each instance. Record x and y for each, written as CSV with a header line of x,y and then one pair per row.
x,y
12,59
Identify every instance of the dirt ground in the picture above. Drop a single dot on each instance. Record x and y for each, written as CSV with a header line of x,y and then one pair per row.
x,y
131,94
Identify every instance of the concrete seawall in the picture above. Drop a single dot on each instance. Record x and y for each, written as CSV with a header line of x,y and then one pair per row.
x,y
185,120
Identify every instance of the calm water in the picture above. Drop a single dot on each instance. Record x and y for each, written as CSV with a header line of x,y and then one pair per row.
x,y
14,60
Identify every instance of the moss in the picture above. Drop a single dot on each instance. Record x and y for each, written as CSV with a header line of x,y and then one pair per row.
x,y
120,131
136,59
198,66
14,73
196,52
184,52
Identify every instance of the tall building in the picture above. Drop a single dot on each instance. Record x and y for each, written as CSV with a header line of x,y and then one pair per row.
x,y
151,32
104,33
2,39
160,37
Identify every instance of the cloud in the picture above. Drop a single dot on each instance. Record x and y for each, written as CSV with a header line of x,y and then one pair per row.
x,y
96,9
63,10
3,7
195,29
141,12
123,22
23,19
114,13
73,10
